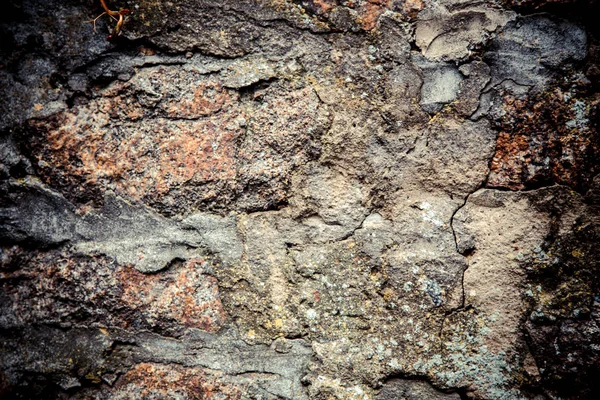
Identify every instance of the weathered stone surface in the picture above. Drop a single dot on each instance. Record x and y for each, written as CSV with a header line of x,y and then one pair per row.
x,y
199,365
316,199
532,48
412,390
74,289
548,138
451,30
441,83
179,141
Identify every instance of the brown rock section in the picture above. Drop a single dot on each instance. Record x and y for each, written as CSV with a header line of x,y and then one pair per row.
x,y
156,381
361,14
96,145
71,289
547,138
180,141
186,295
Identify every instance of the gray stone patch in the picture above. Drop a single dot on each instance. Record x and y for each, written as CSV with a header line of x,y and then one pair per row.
x,y
106,352
532,48
441,83
247,72
135,235
131,234
219,234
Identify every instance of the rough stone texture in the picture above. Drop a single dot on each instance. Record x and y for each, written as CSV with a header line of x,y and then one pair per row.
x,y
94,289
548,138
452,30
85,360
412,390
316,199
177,139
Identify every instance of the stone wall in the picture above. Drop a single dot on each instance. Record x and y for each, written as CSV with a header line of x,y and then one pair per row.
x,y
300,199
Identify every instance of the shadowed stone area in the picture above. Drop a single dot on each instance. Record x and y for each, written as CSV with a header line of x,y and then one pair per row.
x,y
300,199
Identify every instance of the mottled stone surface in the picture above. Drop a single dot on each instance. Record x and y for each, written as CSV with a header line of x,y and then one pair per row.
x,y
98,290
312,199
412,390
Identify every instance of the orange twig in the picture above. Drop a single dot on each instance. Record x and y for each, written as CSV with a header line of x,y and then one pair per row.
x,y
121,14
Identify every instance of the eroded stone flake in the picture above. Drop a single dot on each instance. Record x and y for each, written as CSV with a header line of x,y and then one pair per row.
x,y
130,234
446,31
198,363
441,83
